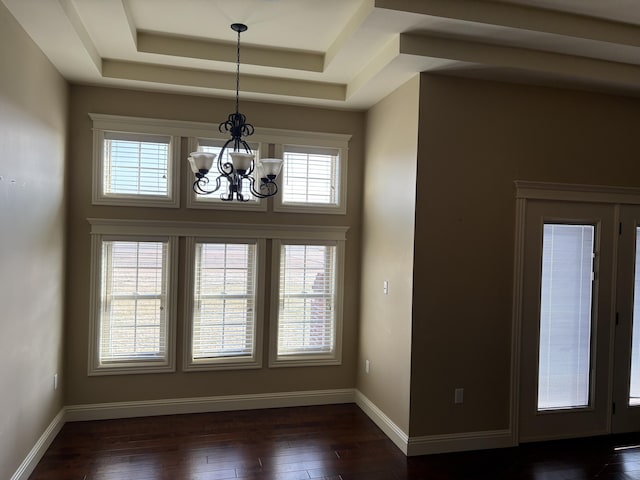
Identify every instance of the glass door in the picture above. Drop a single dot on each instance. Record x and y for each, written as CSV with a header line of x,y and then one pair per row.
x,y
626,392
566,320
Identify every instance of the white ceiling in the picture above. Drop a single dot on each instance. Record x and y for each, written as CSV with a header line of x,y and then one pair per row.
x,y
335,53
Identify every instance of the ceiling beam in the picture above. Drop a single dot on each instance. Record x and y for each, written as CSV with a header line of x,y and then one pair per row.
x,y
500,56
521,17
149,42
162,74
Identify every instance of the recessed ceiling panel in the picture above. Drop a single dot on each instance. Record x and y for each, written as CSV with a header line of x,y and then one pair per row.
x,y
301,24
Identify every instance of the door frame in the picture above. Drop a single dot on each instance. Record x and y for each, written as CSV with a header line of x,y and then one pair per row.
x,y
563,192
626,418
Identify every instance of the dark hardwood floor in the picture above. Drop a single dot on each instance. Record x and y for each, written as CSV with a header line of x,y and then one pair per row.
x,y
336,442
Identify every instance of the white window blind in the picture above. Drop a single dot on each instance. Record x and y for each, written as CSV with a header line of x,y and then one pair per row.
x,y
564,362
224,300
634,383
310,175
136,164
307,300
215,146
133,310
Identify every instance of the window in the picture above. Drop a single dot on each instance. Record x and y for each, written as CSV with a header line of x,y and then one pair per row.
x,y
313,179
310,176
308,318
134,163
213,200
133,295
224,304
132,311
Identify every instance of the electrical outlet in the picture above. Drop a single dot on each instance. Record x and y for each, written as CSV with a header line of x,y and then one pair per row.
x,y
366,366
55,381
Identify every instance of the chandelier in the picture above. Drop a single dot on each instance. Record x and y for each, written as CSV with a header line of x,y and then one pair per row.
x,y
243,173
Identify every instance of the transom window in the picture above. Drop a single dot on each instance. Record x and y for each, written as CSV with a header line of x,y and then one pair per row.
x,y
213,200
313,180
136,164
310,175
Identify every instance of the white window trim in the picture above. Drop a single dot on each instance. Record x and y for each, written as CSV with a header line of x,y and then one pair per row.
x,y
303,360
194,130
133,125
95,367
130,228
109,226
192,202
223,363
570,192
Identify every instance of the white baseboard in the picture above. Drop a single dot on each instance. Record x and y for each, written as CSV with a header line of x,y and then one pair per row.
x,y
390,429
459,442
412,446
33,457
172,406
408,445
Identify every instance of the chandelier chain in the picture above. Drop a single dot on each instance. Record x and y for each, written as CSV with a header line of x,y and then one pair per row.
x,y
238,73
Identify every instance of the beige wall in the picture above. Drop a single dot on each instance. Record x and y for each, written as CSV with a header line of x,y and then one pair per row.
x,y
445,247
476,138
33,128
387,252
83,389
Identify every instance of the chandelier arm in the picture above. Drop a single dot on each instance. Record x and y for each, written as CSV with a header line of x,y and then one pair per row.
x,y
245,145
225,168
272,188
199,186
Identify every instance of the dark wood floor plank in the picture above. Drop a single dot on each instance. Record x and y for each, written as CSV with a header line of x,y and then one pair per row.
x,y
336,442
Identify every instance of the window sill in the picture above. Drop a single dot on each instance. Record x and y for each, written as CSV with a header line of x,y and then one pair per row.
x,y
226,364
299,361
131,369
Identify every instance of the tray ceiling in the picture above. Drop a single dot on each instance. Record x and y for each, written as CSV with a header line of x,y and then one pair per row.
x,y
336,53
